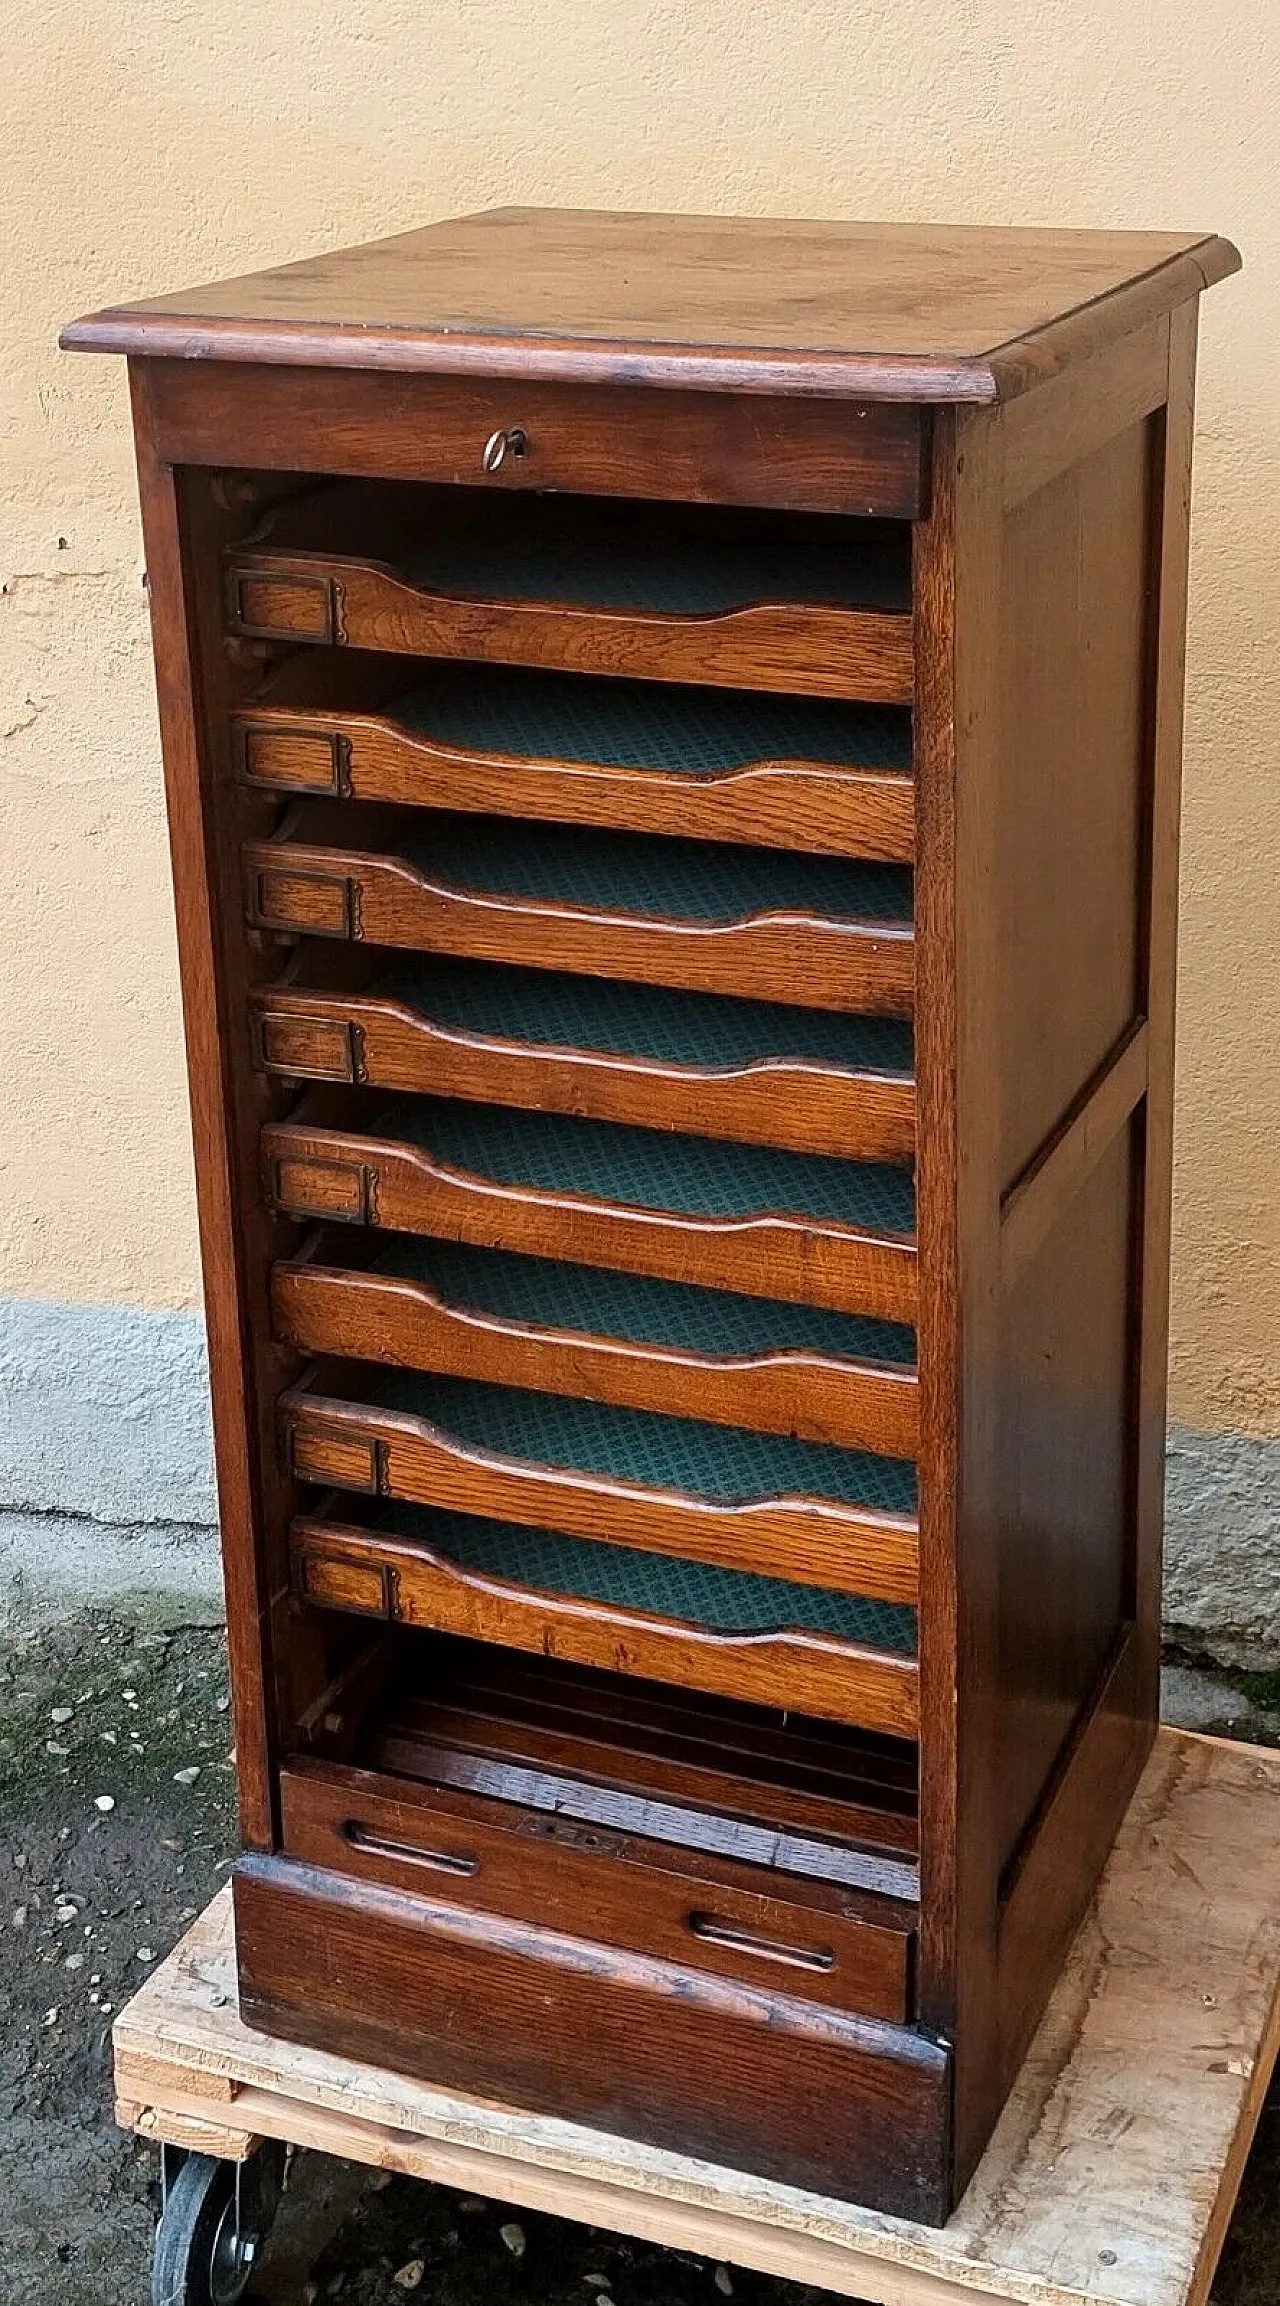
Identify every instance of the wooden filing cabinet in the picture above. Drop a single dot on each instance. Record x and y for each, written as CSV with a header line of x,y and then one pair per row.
x,y
671,732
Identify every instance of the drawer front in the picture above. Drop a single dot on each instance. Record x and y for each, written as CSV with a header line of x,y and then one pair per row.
x,y
493,1583
314,1172
779,800
836,1949
789,605
857,1113
756,1505
713,448
758,945
865,655
729,1360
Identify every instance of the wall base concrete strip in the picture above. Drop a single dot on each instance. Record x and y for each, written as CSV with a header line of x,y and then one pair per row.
x,y
1222,1546
104,1412
162,1573
104,1416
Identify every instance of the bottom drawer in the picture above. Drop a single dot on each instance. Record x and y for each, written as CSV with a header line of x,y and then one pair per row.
x,y
818,1940
751,2077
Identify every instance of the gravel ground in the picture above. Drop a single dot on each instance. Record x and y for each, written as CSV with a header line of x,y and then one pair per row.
x,y
116,1826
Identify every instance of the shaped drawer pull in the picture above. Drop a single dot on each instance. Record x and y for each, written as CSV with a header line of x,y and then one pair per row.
x,y
304,1046
311,1186
286,605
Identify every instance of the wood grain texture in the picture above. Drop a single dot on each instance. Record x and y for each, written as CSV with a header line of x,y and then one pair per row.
x,y
306,888
958,741
1038,1199
322,1306
812,650
811,1108
1068,420
654,2049
1127,2052
357,1178
889,311
1066,865
785,804
1064,1372
622,440
747,1783
196,870
850,1952
340,1565
820,1541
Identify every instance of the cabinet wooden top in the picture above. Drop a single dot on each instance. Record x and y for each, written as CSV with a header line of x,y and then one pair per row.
x,y
878,311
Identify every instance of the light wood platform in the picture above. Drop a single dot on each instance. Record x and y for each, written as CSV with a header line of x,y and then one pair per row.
x,y
1112,2174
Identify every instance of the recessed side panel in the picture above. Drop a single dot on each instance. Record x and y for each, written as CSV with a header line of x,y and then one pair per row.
x,y
1064,1481
1068,824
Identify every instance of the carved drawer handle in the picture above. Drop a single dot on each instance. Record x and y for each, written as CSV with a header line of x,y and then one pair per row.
x,y
731,1935
497,445
406,1853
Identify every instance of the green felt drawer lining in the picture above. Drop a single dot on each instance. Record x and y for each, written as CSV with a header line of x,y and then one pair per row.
x,y
649,558
652,1168
622,1577
651,875
550,1008
546,1293
621,724
723,1463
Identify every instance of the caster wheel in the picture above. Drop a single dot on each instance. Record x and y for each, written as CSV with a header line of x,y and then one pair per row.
x,y
213,2229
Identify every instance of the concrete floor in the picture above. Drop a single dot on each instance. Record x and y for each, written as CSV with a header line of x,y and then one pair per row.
x,y
101,1709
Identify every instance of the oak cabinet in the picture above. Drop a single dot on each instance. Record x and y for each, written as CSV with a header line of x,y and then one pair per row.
x,y
671,731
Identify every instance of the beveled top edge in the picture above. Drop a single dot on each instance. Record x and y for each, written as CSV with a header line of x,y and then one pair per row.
x,y
878,312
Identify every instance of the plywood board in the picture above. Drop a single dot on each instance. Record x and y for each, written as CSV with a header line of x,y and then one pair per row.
x,y
1111,2176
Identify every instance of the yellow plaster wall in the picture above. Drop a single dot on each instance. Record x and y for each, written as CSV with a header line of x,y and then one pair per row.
x,y
168,141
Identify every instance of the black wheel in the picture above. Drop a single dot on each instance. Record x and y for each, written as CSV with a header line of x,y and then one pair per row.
x,y
216,2219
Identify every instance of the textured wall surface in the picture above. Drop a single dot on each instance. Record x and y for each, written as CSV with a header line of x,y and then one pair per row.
x,y
172,141
104,1413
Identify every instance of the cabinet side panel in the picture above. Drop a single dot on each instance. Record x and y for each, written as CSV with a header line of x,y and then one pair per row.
x,y
1071,782
1065,1486
1064,885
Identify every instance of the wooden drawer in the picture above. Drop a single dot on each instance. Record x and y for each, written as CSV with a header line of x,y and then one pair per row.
x,y
618,1338
842,1949
825,932
762,1786
845,456
755,1073
798,604
715,765
759,1504
825,1656
543,2018
789,1226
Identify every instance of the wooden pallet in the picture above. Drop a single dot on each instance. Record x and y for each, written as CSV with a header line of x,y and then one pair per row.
x,y
1112,2174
